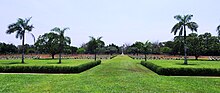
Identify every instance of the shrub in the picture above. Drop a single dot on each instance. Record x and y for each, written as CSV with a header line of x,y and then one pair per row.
x,y
48,69
182,71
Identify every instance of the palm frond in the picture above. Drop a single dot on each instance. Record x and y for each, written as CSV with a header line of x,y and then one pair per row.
x,y
56,29
29,27
12,28
67,28
187,18
27,20
178,17
176,28
67,40
99,38
92,38
218,30
32,36
192,26
181,31
20,26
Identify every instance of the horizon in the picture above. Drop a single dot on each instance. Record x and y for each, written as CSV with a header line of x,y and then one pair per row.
x,y
119,22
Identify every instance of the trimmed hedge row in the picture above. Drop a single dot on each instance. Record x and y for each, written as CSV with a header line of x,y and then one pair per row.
x,y
181,71
113,56
48,69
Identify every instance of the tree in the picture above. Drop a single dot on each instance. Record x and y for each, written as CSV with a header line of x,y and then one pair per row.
x,y
94,44
8,48
62,39
155,48
48,43
133,50
178,47
205,40
112,49
138,47
184,21
166,50
147,48
194,45
80,51
20,27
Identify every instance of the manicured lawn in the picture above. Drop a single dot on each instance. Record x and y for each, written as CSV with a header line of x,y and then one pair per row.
x,y
30,62
191,63
121,74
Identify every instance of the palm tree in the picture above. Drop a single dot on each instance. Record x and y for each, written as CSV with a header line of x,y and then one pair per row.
x,y
63,40
218,30
184,21
20,27
147,48
94,44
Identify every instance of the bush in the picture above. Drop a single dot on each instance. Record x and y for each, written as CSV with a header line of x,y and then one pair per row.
x,y
182,71
48,69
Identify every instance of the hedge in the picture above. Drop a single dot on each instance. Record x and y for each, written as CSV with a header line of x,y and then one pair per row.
x,y
181,71
48,69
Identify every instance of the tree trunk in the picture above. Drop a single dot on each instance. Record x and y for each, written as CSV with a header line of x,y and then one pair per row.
x,y
95,56
185,55
196,57
145,57
22,58
185,47
61,50
52,56
60,58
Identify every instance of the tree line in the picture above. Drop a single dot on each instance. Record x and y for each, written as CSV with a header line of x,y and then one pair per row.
x,y
55,42
204,44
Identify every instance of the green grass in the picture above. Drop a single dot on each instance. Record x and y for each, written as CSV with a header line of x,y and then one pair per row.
x,y
191,63
121,74
31,62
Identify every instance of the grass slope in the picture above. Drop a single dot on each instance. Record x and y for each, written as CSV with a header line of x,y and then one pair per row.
x,y
121,74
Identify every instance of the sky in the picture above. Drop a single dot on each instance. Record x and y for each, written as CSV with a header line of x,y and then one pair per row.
x,y
117,21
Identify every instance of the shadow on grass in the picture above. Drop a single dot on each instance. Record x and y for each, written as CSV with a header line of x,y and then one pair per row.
x,y
51,58
198,60
46,59
189,64
53,63
11,63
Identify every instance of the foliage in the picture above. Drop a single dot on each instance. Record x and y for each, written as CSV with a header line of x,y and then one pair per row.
x,y
20,27
94,45
194,45
112,49
70,49
62,40
218,30
183,22
48,43
80,51
8,48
